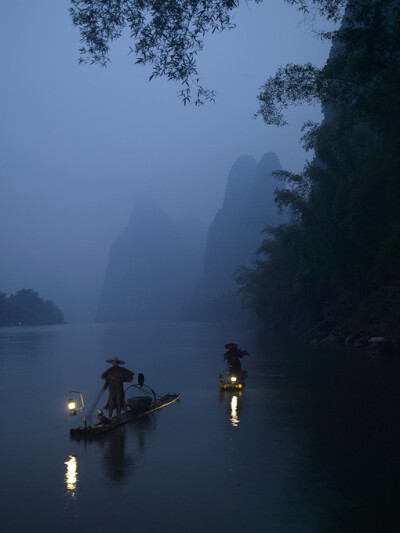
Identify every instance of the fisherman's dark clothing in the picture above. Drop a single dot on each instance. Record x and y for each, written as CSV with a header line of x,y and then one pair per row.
x,y
233,356
116,396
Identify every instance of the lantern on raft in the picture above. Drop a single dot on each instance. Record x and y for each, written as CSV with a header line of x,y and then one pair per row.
x,y
75,402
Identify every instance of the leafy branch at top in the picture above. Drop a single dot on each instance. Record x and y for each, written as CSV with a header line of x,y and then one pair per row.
x,y
166,34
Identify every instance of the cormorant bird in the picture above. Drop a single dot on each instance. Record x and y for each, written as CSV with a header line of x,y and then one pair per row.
x,y
140,379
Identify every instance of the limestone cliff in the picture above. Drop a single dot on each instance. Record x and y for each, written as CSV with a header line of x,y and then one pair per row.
x,y
149,272
235,235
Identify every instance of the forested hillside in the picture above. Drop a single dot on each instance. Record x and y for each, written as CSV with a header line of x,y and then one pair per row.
x,y
26,308
336,266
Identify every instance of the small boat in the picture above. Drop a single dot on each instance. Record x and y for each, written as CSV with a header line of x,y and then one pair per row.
x,y
232,381
139,406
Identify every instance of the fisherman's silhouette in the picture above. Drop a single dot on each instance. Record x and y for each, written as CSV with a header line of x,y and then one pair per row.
x,y
233,357
115,377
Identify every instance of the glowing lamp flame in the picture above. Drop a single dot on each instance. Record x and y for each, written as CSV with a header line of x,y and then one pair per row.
x,y
71,404
233,379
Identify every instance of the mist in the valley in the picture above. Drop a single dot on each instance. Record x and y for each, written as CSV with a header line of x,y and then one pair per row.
x,y
116,201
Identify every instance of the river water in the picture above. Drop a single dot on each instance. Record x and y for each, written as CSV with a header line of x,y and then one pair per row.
x,y
311,445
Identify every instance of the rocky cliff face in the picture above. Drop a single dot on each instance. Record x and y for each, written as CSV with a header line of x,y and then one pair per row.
x,y
154,264
150,270
235,234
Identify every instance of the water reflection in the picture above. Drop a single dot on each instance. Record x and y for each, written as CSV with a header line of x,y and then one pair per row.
x,y
233,402
117,449
117,461
71,476
234,414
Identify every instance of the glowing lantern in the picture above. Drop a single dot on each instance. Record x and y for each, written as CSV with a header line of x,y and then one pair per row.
x,y
75,402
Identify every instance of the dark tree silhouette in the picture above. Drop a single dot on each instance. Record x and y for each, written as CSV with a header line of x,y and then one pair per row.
x,y
338,263
25,307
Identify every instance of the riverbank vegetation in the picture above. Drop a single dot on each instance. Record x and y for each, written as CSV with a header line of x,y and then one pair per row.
x,y
337,264
26,308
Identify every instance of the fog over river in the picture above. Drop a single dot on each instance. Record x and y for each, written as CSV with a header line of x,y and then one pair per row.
x,y
80,143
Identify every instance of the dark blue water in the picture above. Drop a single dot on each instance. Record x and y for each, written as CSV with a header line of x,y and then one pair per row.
x,y
311,445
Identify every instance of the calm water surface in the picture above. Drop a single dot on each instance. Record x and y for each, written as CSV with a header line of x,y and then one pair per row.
x,y
311,445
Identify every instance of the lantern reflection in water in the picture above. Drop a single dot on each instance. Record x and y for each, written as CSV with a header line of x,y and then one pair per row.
x,y
234,417
71,475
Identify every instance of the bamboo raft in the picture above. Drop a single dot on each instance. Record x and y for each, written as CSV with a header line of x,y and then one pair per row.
x,y
106,425
233,381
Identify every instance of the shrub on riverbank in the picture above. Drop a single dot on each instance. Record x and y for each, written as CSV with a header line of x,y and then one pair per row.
x,y
26,308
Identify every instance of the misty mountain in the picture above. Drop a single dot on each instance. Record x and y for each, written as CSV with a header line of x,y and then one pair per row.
x,y
152,266
193,236
235,235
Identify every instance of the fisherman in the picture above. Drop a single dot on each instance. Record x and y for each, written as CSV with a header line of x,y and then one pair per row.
x,y
115,376
233,356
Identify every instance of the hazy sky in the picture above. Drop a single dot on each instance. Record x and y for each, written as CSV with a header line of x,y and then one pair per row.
x,y
78,143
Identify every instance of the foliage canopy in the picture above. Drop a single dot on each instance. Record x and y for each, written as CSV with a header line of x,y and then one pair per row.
x,y
341,251
25,307
166,34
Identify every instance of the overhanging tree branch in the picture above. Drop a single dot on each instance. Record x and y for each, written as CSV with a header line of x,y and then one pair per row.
x,y
166,34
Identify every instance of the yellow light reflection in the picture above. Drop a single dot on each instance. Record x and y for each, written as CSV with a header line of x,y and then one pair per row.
x,y
234,417
71,475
